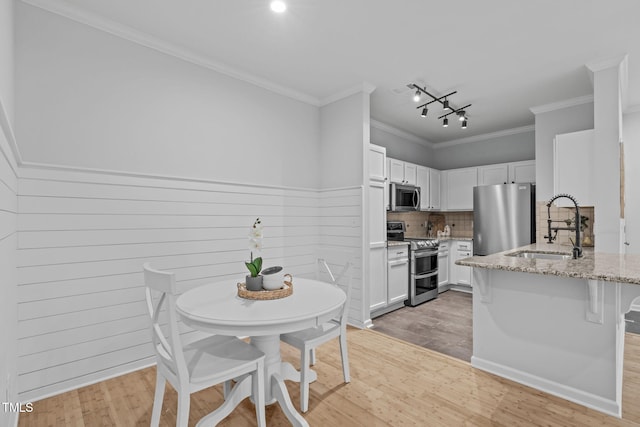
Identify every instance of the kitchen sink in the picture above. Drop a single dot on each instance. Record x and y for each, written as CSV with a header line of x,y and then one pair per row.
x,y
539,255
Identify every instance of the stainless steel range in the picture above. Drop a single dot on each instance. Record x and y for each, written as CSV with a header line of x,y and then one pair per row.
x,y
423,279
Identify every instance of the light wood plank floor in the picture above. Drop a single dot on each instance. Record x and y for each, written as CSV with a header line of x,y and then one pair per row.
x,y
394,383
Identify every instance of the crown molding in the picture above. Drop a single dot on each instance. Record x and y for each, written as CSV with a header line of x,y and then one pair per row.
x,y
364,87
562,104
486,136
165,47
401,133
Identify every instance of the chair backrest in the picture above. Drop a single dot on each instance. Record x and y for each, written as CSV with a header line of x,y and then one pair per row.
x,y
343,279
161,304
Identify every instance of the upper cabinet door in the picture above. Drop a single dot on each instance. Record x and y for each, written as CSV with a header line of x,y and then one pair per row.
x,y
460,183
395,171
493,174
410,174
422,177
434,188
572,162
377,162
520,172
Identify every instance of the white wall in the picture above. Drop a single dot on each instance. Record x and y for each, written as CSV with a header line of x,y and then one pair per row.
x,y
631,138
6,57
402,147
8,218
341,142
107,103
220,151
548,125
501,149
83,238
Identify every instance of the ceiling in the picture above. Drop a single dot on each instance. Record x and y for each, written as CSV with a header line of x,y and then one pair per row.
x,y
501,56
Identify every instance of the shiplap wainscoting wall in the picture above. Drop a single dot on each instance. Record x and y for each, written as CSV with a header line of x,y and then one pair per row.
x,y
83,237
8,244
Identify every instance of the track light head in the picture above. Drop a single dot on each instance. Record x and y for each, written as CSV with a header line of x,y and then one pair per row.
x,y
445,105
416,97
424,112
464,124
445,122
461,116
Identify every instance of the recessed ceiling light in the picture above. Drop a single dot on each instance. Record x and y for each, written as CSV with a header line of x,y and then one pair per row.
x,y
278,6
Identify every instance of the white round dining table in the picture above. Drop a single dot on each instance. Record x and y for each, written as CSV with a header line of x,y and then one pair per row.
x,y
216,308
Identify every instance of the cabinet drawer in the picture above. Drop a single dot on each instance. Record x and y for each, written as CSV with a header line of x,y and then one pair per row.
x,y
464,254
395,253
464,246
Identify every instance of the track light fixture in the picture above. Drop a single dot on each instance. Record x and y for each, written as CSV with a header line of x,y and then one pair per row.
x,y
446,106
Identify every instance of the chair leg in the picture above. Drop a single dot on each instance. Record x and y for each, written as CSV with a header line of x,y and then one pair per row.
x,y
257,381
313,356
226,389
345,356
184,401
304,380
161,382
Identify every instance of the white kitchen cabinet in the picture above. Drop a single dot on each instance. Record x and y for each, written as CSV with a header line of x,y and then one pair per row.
x,y
377,228
443,266
428,180
459,188
395,170
402,172
410,173
377,278
434,188
520,172
459,274
377,163
493,174
573,153
397,274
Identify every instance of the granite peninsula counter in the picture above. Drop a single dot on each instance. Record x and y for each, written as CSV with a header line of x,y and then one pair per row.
x,y
592,266
555,324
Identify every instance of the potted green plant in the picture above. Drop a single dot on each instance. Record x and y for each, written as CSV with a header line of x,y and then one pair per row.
x,y
254,279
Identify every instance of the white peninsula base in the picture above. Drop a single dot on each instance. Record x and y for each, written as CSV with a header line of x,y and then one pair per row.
x,y
561,335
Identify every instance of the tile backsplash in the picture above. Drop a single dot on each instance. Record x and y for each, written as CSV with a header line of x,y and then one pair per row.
x,y
559,214
461,223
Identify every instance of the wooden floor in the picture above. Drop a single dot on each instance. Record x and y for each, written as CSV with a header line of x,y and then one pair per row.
x,y
394,383
444,324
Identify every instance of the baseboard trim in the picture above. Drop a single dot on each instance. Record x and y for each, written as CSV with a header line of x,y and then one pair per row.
x,y
607,406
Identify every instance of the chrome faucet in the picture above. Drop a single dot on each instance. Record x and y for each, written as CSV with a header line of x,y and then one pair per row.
x,y
577,245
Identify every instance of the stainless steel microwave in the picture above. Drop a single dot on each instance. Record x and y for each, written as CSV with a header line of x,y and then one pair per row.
x,y
404,197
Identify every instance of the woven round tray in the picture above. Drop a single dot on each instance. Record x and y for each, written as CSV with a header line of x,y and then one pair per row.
x,y
265,294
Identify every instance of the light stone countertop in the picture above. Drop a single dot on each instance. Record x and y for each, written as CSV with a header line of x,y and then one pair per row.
x,y
592,266
397,243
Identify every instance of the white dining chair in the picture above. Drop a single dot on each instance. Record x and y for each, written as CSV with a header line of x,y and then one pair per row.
x,y
308,339
201,364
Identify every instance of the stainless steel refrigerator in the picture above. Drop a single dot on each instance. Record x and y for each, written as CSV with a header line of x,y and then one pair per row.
x,y
504,217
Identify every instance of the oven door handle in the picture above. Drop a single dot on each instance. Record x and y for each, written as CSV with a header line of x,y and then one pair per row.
x,y
417,255
424,276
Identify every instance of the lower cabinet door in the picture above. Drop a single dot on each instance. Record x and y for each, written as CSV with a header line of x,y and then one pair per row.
x,y
443,269
377,278
398,277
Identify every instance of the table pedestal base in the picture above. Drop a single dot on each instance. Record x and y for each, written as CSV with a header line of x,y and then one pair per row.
x,y
276,372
